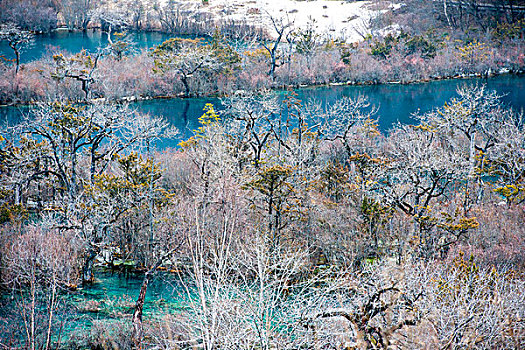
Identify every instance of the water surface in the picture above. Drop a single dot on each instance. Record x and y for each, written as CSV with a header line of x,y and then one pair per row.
x,y
110,299
74,42
395,102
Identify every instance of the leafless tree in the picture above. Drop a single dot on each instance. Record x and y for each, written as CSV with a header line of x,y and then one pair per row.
x,y
37,267
17,39
81,67
282,27
251,118
346,119
78,145
76,13
188,58
422,169
111,19
175,16
472,122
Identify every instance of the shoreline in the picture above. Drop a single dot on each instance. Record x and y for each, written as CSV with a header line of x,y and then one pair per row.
x,y
131,99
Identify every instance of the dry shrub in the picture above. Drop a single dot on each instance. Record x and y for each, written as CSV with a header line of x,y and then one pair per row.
x,y
36,265
132,76
415,305
103,334
471,306
40,253
500,238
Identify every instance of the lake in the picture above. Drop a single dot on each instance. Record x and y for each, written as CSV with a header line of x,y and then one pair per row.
x,y
396,102
74,42
110,299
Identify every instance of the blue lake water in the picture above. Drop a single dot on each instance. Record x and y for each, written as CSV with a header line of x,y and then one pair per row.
x,y
113,295
110,299
396,102
74,42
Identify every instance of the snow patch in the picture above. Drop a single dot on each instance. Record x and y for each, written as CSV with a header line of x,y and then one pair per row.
x,y
348,21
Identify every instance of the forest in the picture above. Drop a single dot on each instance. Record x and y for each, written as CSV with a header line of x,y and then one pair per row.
x,y
278,222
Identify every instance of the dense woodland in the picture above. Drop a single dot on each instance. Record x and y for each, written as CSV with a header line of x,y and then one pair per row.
x,y
290,225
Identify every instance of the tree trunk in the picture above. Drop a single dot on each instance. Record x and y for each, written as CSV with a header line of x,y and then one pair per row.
x,y
92,167
139,305
472,155
51,313
184,81
273,65
17,54
32,341
471,173
85,88
109,35
74,188
17,194
137,314
445,10
87,269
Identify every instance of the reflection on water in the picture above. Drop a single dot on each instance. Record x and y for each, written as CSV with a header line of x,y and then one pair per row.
x,y
74,42
112,297
396,103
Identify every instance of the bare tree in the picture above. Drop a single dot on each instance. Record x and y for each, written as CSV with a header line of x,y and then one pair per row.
x,y
81,67
175,16
422,170
459,302
251,118
78,145
376,303
76,13
307,40
111,19
472,122
28,15
505,160
346,119
188,58
282,27
37,267
17,39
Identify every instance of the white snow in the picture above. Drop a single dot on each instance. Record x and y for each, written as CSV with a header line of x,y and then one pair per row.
x,y
337,19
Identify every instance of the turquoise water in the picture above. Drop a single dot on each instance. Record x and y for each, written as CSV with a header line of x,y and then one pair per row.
x,y
110,299
396,102
122,289
74,42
